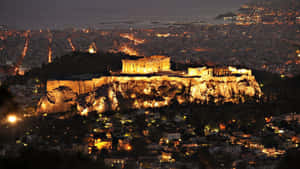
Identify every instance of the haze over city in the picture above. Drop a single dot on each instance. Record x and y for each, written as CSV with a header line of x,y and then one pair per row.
x,y
43,13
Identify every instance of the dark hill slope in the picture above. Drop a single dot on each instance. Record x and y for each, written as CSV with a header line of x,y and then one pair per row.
x,y
77,63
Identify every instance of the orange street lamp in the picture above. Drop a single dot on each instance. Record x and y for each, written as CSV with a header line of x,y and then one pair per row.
x,y
12,119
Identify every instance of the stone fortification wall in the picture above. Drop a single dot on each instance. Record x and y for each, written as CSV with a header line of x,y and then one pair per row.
x,y
113,92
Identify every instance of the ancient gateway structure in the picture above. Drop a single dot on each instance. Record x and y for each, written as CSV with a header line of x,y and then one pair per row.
x,y
148,83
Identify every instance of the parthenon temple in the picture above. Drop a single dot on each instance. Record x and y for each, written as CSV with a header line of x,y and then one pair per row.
x,y
146,65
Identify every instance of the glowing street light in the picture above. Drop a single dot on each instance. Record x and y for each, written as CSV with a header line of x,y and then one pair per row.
x,y
12,119
92,51
128,148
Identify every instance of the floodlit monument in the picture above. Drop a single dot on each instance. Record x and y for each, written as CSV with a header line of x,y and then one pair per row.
x,y
146,65
149,82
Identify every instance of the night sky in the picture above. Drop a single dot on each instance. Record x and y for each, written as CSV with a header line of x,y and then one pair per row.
x,y
34,12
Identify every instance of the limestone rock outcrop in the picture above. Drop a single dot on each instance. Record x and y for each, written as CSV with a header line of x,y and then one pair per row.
x,y
58,100
121,92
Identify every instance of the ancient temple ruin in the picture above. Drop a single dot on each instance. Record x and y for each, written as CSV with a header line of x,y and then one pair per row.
x,y
146,65
142,79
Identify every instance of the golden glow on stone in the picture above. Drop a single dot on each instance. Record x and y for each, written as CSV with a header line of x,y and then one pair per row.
x,y
231,89
146,65
84,112
230,85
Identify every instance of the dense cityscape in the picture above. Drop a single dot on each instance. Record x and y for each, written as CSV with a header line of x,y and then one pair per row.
x,y
174,95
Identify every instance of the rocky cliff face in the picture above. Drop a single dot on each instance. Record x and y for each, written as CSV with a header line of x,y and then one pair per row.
x,y
58,100
122,92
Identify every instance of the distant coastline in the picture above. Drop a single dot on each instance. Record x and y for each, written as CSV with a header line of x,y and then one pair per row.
x,y
122,20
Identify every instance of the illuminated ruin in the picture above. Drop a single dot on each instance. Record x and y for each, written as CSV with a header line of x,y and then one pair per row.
x,y
211,72
149,83
146,65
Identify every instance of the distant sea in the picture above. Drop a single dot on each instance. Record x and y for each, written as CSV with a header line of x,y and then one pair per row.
x,y
120,18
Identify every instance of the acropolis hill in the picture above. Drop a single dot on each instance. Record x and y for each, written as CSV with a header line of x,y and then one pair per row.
x,y
149,82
